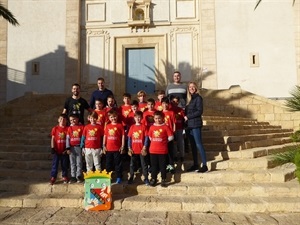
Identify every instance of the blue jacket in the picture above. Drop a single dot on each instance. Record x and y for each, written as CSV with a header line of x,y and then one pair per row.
x,y
193,112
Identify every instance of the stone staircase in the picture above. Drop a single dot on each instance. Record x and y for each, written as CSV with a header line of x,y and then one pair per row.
x,y
243,176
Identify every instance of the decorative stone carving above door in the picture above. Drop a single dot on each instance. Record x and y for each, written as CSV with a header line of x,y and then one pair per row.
x,y
139,14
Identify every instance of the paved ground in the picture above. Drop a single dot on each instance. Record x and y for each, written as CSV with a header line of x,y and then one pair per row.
x,y
76,216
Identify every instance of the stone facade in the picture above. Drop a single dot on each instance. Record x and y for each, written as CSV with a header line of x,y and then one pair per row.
x,y
210,41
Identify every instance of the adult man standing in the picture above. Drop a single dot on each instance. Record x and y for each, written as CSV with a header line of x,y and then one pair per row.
x,y
100,93
76,104
177,88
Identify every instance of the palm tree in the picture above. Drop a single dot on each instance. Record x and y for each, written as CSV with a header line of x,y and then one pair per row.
x,y
258,2
293,103
7,15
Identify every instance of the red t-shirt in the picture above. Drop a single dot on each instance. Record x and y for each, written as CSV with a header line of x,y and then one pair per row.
x,y
101,116
125,110
169,119
137,133
179,117
158,106
130,120
93,136
75,133
143,106
148,118
158,135
113,136
60,134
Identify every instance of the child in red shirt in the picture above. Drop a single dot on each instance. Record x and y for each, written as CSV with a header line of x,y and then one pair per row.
x,y
159,135
148,118
73,146
113,144
170,122
58,149
91,141
125,109
101,111
137,144
130,118
160,95
142,103
179,128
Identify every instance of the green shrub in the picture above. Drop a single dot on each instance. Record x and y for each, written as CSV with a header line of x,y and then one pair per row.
x,y
287,156
297,163
296,136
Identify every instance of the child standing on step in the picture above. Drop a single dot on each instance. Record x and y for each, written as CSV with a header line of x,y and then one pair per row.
x,y
91,141
137,144
58,149
113,145
159,134
73,146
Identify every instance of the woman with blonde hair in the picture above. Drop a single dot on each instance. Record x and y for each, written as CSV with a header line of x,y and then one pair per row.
x,y
193,119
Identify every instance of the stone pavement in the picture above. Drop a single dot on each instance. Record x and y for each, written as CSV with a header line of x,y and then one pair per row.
x,y
78,216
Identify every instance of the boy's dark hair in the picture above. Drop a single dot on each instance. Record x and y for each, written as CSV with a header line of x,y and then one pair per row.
x,y
175,97
111,96
135,102
138,113
74,115
158,113
161,92
165,100
101,78
100,100
112,112
94,115
76,84
127,95
151,100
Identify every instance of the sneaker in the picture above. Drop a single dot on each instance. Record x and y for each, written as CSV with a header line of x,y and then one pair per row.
x,y
146,181
163,183
119,180
203,169
80,179
193,168
65,180
153,182
130,180
52,180
72,180
169,167
172,169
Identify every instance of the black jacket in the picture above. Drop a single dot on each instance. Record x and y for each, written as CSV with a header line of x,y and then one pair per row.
x,y
193,112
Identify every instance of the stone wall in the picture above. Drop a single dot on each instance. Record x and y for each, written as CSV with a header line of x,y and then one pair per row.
x,y
237,102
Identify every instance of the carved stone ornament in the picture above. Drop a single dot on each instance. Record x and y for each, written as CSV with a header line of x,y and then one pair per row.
x,y
139,14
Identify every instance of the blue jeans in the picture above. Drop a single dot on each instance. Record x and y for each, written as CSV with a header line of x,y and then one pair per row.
x,y
64,162
195,137
76,161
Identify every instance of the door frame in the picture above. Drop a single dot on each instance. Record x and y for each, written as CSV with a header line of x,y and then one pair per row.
x,y
157,42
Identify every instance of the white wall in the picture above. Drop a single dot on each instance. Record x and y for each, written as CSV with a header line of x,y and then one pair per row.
x,y
268,31
39,38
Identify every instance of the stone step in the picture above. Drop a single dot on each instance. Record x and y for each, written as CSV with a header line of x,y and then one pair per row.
x,y
220,147
26,165
25,156
230,126
246,204
264,162
13,147
237,132
288,189
12,141
278,174
233,121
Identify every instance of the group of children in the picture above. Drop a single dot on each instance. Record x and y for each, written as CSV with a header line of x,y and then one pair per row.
x,y
149,131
